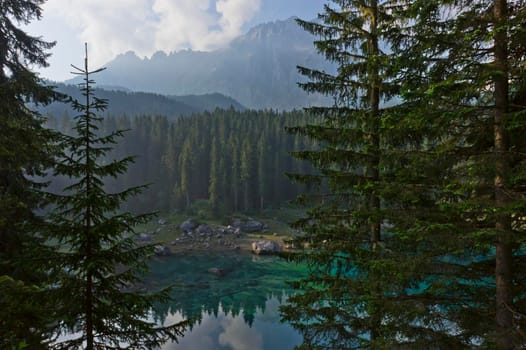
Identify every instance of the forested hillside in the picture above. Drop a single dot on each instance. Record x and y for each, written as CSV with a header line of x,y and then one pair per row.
x,y
236,160
140,103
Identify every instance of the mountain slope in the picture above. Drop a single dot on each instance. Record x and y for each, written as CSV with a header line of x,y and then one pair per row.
x,y
142,103
257,69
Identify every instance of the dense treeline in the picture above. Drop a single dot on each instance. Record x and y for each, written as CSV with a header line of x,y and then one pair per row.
x,y
235,160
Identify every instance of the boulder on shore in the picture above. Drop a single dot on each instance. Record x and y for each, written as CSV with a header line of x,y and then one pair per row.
x,y
265,246
252,226
248,226
162,250
188,226
144,237
204,229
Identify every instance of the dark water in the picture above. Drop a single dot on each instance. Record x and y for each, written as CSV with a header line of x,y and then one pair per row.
x,y
234,307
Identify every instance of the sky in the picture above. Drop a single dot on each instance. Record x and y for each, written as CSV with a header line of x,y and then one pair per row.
x,y
112,27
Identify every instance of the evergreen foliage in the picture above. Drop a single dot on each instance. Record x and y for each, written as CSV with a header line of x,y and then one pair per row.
x,y
419,242
202,156
99,263
467,83
356,295
25,151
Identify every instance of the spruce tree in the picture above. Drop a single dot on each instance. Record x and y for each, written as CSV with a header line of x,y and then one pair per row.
x,y
447,267
25,152
99,264
187,166
356,295
213,187
467,73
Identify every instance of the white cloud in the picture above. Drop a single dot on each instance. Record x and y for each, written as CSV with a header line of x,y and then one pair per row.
x,y
234,14
237,335
147,26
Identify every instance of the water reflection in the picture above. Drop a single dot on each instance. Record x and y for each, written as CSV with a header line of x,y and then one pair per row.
x,y
232,298
226,331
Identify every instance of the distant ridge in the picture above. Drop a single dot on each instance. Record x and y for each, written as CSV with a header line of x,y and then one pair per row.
x,y
143,103
258,69
114,88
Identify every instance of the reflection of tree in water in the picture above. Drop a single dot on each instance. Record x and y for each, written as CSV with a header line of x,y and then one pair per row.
x,y
243,287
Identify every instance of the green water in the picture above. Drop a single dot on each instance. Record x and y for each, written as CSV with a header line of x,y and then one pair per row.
x,y
237,309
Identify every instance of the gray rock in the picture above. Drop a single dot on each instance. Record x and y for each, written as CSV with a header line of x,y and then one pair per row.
x,y
161,222
265,246
204,230
161,250
251,226
235,223
145,237
188,225
247,226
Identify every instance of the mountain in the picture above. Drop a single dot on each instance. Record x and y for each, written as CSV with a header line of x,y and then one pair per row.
x,y
122,102
208,102
258,69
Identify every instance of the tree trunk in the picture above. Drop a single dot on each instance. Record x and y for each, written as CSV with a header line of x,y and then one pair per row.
x,y
89,310
374,173
87,228
245,197
187,199
503,261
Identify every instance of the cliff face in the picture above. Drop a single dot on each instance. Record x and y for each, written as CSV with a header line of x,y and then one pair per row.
x,y
257,69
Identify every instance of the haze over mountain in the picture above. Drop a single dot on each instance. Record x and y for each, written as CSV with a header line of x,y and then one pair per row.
x,y
258,69
125,102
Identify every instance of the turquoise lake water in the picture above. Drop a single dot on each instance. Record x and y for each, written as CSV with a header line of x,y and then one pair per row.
x,y
237,309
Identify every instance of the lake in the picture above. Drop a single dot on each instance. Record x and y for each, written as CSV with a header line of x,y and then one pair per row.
x,y
232,298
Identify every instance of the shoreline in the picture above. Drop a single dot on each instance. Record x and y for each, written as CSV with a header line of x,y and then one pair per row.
x,y
169,240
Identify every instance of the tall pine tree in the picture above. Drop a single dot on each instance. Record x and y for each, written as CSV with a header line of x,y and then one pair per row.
x,y
99,262
467,73
450,180
25,151
358,294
